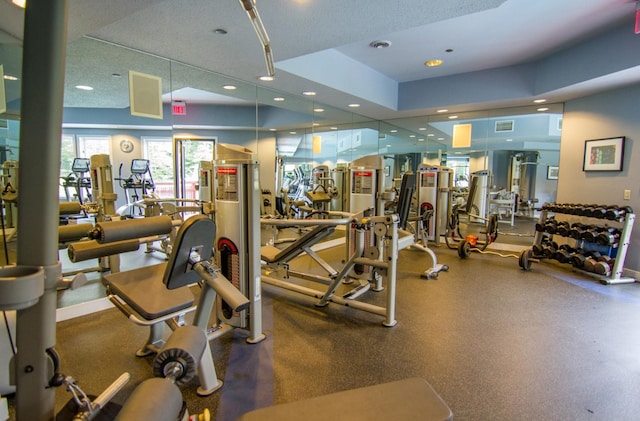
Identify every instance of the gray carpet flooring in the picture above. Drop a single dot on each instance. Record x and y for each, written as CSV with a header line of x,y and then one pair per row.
x,y
496,342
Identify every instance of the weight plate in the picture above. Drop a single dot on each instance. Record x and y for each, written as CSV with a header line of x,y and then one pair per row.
x,y
464,248
525,259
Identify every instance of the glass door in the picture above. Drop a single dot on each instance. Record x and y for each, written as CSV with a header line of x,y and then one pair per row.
x,y
188,153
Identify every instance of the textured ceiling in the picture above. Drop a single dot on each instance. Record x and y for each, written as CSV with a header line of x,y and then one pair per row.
x,y
489,39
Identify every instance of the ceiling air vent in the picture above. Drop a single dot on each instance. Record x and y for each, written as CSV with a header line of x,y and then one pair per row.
x,y
504,126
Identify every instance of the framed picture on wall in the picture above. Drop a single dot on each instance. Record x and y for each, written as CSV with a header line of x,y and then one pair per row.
x,y
603,154
552,173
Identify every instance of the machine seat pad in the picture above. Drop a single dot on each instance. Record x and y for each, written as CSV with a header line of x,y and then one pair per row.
x,y
142,289
271,254
409,399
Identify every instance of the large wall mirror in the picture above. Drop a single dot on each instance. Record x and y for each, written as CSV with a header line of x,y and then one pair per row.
x,y
292,134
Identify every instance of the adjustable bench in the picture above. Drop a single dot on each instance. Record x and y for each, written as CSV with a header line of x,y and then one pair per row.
x,y
271,254
409,399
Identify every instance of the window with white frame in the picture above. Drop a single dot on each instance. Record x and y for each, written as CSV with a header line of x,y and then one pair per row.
x,y
93,145
159,152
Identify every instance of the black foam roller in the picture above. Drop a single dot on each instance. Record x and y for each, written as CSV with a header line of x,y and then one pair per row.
x,y
154,399
184,347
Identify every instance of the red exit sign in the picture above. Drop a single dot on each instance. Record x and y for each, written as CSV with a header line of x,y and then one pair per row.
x,y
179,108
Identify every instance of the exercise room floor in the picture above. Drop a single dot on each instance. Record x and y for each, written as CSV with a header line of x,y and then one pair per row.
x,y
496,342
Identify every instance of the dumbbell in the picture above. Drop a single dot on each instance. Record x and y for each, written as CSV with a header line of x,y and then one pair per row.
x,y
591,262
576,209
589,210
563,254
548,250
563,228
615,213
538,249
539,226
550,225
542,226
597,212
577,258
604,267
564,208
578,229
608,236
591,233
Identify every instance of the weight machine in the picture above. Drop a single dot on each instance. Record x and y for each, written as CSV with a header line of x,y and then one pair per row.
x,y
433,186
386,228
9,193
237,204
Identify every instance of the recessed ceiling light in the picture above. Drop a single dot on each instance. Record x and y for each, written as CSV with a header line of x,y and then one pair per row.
x,y
266,78
453,117
508,140
430,134
421,139
230,87
278,99
292,132
354,105
433,63
443,110
272,130
318,110
9,77
84,87
334,128
441,138
422,128
393,131
309,93
379,44
543,109
315,124
412,136
220,31
539,101
388,146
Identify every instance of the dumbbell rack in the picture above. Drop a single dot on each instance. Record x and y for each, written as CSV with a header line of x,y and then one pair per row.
x,y
619,249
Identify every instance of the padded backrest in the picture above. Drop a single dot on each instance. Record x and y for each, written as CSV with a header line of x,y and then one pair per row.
x,y
297,247
407,188
196,234
473,189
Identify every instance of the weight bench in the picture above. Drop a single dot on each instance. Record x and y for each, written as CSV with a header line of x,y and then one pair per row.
x,y
274,255
409,399
159,294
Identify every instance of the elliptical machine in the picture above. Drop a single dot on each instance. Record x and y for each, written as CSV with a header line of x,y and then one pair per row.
x,y
78,180
140,180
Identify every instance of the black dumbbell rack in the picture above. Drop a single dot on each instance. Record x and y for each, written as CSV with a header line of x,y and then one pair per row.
x,y
597,218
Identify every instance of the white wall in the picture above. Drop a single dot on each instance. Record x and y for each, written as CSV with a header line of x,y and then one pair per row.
x,y
610,114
